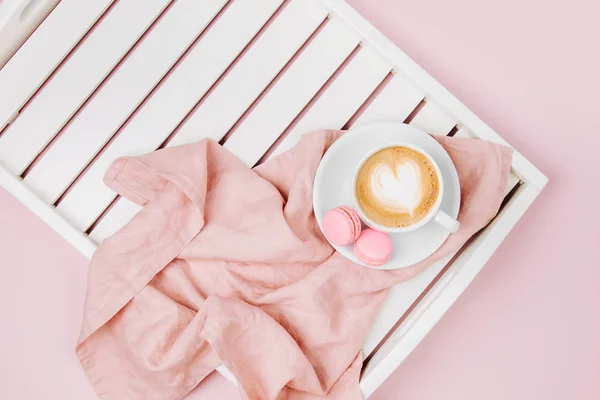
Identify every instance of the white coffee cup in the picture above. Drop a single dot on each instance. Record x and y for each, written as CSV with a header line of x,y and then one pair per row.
x,y
435,214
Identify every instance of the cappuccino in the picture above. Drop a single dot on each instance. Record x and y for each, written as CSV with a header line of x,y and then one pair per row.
x,y
397,187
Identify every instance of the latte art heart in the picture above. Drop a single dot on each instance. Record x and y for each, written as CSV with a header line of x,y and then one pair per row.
x,y
399,189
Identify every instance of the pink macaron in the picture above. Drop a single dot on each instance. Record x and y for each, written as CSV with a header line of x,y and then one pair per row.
x,y
341,225
374,248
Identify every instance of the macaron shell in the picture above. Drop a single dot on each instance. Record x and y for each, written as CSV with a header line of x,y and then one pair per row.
x,y
339,227
357,223
374,248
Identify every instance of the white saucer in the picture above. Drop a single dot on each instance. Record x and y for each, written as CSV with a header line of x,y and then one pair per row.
x,y
333,186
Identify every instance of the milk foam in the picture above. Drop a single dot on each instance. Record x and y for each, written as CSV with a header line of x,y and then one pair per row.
x,y
398,188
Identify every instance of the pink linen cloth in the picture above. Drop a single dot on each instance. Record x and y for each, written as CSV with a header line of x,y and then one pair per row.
x,y
227,264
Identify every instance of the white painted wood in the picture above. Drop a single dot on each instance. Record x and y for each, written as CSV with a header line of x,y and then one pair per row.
x,y
304,78
253,73
433,89
513,180
223,370
343,98
18,18
161,114
14,185
433,120
39,56
75,81
399,300
395,102
89,197
115,219
441,297
446,290
464,133
171,102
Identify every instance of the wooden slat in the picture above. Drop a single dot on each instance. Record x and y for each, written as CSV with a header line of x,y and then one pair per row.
x,y
38,56
433,120
177,95
243,84
343,98
292,92
115,219
399,300
253,73
76,80
464,133
395,102
513,180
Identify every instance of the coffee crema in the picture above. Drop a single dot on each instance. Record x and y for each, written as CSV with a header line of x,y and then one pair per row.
x,y
397,187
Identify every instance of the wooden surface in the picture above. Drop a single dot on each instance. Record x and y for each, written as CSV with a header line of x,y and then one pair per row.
x,y
252,75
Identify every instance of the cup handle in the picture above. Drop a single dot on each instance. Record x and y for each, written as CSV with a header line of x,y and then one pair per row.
x,y
446,221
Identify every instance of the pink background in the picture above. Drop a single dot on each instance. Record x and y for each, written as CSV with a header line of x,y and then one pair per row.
x,y
528,326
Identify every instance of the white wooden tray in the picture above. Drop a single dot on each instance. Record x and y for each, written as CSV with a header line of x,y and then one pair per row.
x,y
101,78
